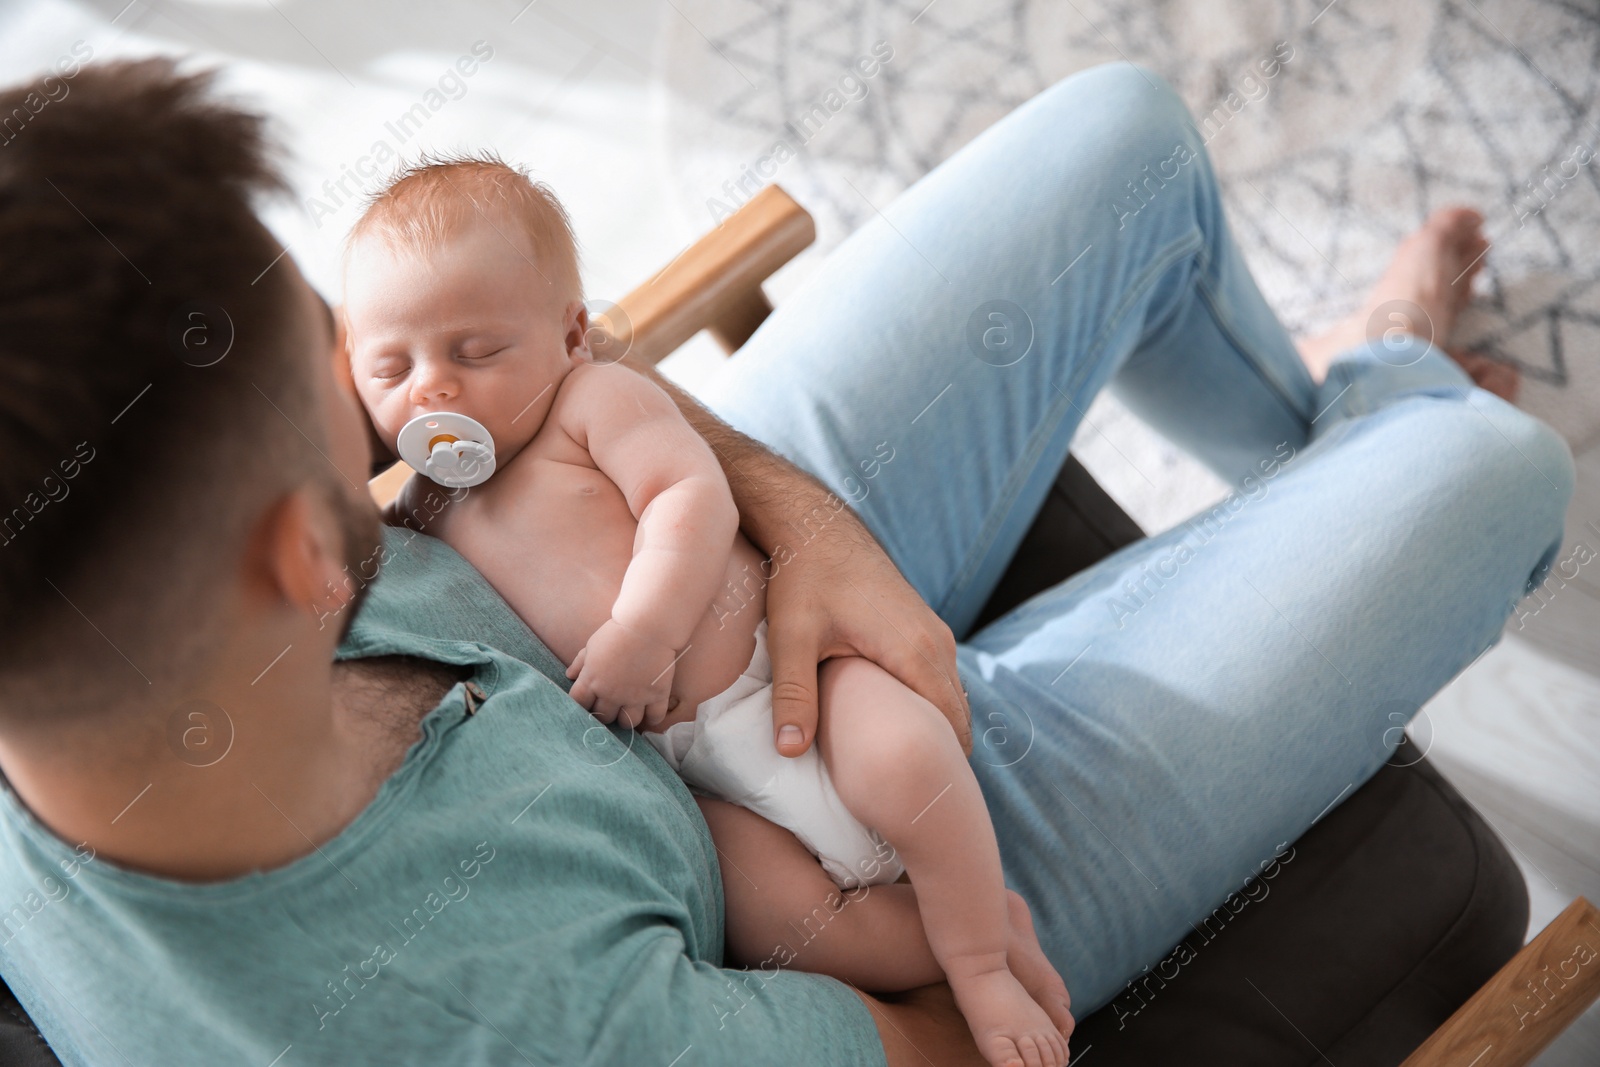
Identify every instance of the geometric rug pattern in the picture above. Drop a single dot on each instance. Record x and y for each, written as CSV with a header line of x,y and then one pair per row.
x,y
1335,128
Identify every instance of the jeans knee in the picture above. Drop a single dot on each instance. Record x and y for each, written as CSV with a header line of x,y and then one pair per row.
x,y
1148,138
1145,90
1538,457
1512,463
1538,444
1141,103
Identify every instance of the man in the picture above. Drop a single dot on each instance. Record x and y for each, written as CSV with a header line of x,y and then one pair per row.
x,y
205,526
265,806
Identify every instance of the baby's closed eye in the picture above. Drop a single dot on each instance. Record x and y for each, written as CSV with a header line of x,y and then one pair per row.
x,y
390,368
482,349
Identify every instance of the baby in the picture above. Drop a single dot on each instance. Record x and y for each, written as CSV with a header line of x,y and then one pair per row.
x,y
608,525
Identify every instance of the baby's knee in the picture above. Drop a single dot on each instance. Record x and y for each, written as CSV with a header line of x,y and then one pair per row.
x,y
876,729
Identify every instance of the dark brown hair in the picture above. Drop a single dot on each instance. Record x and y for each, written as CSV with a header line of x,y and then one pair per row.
x,y
135,459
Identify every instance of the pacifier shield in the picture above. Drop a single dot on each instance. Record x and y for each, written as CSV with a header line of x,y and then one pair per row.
x,y
455,450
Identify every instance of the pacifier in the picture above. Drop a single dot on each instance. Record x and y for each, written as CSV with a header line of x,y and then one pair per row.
x,y
455,450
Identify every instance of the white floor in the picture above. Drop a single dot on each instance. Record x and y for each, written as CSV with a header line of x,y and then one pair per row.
x,y
571,91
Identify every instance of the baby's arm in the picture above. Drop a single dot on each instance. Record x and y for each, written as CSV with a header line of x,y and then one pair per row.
x,y
687,524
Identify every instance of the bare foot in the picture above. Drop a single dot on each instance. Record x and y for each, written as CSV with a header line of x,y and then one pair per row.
x,y
1501,379
1031,967
1009,1026
1422,292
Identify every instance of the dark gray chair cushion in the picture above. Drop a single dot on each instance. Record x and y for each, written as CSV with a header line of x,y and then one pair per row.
x,y
1395,907
21,1044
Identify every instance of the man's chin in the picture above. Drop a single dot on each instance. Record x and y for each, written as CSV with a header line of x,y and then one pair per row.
x,y
363,539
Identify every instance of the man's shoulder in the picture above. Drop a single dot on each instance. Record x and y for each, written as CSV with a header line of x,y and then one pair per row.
x,y
501,831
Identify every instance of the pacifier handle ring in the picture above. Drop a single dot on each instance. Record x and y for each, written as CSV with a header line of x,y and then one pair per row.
x,y
467,443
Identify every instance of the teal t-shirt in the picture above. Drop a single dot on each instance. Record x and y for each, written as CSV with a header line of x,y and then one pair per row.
x,y
528,888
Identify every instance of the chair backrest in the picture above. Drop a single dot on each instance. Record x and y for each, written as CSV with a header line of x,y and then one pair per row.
x,y
714,284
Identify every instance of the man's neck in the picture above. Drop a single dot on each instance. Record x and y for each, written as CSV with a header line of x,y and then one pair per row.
x,y
240,776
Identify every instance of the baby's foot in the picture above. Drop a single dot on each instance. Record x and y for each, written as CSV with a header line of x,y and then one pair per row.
x,y
1009,1026
1032,968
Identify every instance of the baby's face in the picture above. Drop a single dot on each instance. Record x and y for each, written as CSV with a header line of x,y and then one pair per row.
x,y
472,327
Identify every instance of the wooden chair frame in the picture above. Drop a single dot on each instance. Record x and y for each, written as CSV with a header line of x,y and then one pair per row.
x,y
715,285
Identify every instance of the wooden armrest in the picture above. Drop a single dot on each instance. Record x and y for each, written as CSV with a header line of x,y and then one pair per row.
x,y
386,486
1528,1002
714,284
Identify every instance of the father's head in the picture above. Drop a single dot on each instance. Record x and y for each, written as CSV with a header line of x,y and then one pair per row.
x,y
181,475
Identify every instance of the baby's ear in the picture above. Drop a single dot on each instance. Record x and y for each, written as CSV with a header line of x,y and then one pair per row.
x,y
607,333
575,326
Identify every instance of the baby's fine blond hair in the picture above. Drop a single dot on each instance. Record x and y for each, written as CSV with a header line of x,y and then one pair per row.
x,y
430,199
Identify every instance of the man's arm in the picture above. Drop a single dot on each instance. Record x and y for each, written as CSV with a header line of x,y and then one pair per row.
x,y
923,1027
838,595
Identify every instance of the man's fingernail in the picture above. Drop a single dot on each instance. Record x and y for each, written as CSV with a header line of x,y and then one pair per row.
x,y
790,735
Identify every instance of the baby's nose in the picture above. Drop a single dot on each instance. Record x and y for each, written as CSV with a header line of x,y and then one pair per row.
x,y
430,385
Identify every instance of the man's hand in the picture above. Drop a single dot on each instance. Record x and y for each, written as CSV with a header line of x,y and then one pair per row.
x,y
623,675
836,594
922,1027
839,594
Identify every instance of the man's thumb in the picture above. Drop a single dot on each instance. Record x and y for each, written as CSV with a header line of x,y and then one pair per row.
x,y
794,694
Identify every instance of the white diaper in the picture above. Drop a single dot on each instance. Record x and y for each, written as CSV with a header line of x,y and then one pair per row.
x,y
726,751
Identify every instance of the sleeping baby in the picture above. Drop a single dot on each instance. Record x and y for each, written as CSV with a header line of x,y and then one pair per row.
x,y
608,525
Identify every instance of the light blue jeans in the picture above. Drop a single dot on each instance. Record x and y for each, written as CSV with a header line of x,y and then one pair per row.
x,y
1151,732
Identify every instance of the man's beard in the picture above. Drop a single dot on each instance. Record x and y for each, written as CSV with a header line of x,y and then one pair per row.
x,y
363,549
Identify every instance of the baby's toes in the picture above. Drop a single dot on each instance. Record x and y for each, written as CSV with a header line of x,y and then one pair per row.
x,y
1055,1004
1051,1048
1001,1051
1033,1051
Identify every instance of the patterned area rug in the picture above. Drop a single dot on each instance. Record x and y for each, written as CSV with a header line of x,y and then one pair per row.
x,y
1373,114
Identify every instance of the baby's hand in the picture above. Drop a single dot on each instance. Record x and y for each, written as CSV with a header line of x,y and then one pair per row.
x,y
623,676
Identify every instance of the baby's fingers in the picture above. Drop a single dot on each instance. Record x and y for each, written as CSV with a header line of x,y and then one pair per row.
x,y
606,710
577,662
655,712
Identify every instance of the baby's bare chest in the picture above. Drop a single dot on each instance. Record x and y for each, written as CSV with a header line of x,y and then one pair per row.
x,y
552,498
554,536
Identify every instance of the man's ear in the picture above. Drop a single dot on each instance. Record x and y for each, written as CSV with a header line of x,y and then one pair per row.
x,y
577,333
297,554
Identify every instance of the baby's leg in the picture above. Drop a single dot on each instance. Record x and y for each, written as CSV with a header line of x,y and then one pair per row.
x,y
783,910
898,768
